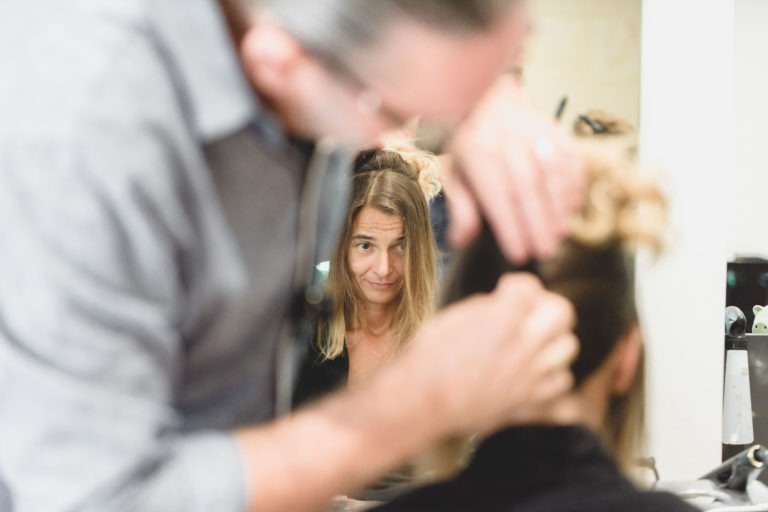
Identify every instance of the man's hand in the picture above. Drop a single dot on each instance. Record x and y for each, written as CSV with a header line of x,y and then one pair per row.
x,y
516,167
481,364
497,359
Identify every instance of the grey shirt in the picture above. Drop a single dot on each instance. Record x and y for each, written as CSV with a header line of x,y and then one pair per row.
x,y
148,230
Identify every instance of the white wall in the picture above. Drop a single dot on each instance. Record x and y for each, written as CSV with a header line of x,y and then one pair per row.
x,y
749,176
685,129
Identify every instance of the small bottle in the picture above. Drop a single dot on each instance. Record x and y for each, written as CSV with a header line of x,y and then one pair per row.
x,y
734,473
738,432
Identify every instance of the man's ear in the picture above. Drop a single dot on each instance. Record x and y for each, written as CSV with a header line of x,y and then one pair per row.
x,y
628,354
270,55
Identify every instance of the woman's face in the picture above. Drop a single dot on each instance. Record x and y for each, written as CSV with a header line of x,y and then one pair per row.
x,y
376,255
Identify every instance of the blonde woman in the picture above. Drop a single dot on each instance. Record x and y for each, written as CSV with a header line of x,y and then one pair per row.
x,y
383,274
382,279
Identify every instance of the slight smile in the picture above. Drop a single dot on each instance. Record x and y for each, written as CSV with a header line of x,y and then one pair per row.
x,y
381,286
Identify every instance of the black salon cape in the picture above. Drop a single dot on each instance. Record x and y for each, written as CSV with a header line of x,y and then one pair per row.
x,y
539,469
319,376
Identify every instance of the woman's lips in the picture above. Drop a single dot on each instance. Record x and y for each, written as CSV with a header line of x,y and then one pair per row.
x,y
381,286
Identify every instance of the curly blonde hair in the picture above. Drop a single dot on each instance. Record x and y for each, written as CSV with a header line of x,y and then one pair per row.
x,y
622,204
424,164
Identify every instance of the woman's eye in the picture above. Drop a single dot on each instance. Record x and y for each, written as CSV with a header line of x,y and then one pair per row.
x,y
365,246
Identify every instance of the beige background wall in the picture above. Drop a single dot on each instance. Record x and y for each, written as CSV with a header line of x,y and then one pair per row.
x,y
629,57
588,50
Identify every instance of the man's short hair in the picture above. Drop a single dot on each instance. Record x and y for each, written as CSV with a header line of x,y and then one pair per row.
x,y
332,29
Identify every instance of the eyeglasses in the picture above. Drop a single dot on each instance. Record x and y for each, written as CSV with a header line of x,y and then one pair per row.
x,y
369,98
372,103
322,211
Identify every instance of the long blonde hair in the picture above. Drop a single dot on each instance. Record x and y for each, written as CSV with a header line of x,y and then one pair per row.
x,y
395,182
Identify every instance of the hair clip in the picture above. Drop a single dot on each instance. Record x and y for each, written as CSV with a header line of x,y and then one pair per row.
x,y
596,126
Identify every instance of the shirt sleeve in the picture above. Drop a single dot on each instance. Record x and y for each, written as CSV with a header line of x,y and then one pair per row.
x,y
91,295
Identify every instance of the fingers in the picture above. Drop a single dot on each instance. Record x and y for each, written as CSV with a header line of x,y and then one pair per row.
x,y
523,172
546,349
552,316
495,359
563,170
494,192
464,213
553,366
551,313
574,184
553,387
556,354
540,226
517,295
544,335
548,331
560,408
553,189
522,194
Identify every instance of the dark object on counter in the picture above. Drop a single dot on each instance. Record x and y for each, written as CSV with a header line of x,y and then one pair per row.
x,y
734,473
735,322
735,340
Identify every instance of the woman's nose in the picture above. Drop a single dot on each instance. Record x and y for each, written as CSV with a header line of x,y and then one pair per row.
x,y
382,263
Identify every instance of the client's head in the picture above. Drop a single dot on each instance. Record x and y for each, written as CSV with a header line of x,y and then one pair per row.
x,y
594,270
386,256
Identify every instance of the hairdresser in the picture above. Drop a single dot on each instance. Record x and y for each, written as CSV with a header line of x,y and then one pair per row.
x,y
152,157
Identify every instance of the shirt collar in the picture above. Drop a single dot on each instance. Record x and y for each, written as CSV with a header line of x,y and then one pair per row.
x,y
219,96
